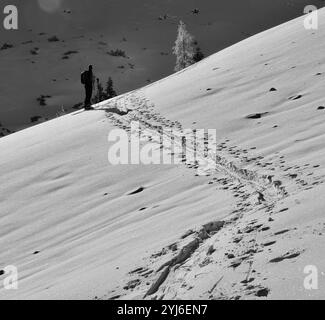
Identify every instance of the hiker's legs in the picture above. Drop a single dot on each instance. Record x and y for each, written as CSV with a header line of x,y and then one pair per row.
x,y
86,97
89,92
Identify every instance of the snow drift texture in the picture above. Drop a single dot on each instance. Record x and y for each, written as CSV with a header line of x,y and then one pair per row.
x,y
77,227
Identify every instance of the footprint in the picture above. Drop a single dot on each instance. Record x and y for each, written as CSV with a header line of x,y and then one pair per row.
x,y
296,97
285,257
187,234
263,292
256,115
271,243
247,281
132,284
114,297
281,232
136,191
138,270
236,264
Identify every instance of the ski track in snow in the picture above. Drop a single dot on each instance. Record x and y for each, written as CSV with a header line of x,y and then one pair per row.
x,y
257,192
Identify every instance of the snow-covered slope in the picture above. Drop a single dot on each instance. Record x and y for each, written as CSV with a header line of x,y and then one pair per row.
x,y
78,227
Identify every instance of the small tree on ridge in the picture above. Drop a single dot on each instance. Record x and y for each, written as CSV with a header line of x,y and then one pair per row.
x,y
184,48
110,92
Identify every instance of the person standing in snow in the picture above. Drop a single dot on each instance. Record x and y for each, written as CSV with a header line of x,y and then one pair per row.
x,y
88,80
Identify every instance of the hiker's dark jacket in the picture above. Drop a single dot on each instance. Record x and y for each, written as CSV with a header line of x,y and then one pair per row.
x,y
89,79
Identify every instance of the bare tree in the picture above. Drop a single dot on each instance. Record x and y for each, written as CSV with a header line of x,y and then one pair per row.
x,y
184,48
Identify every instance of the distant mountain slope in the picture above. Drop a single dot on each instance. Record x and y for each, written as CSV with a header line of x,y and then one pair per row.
x,y
34,66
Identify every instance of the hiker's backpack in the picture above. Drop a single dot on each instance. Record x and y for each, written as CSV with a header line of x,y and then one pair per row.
x,y
84,77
